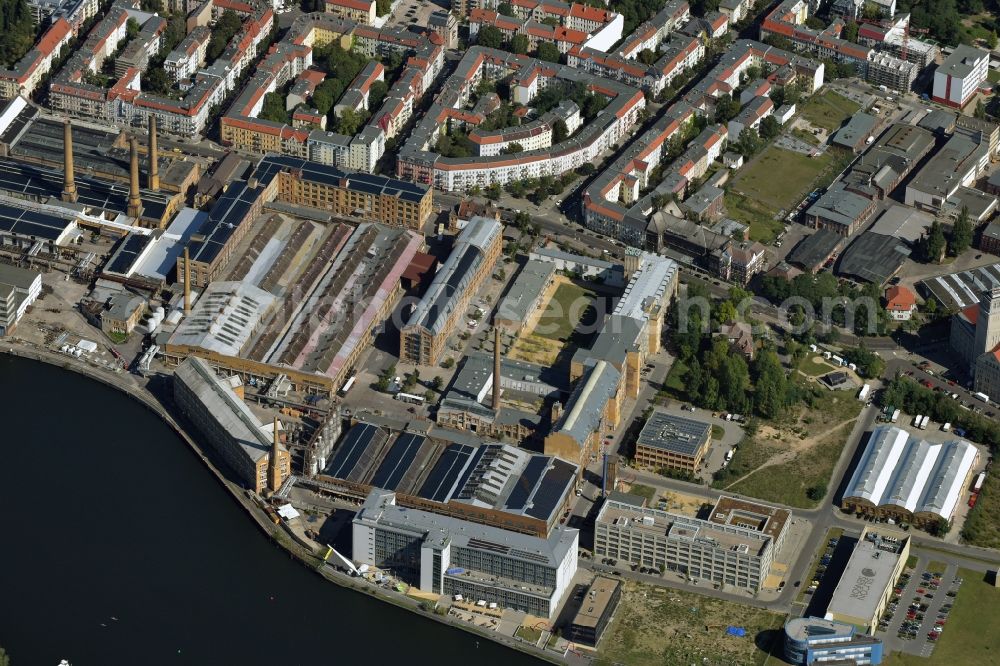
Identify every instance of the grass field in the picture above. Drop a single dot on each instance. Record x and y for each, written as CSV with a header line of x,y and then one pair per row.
x,y
828,110
794,453
815,366
529,634
563,311
657,626
789,482
643,491
970,636
981,526
777,181
674,381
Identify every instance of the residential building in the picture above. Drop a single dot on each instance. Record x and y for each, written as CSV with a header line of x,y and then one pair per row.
x,y
418,162
600,601
19,288
900,303
672,442
736,549
445,24
961,74
740,261
359,11
739,335
122,314
866,586
25,76
443,555
433,320
250,449
813,640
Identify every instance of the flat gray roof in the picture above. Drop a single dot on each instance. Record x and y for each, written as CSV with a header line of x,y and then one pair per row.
x,y
902,222
868,574
524,292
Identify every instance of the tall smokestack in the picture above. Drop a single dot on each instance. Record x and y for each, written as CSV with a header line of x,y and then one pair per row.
x,y
69,185
154,167
134,202
496,367
274,468
187,282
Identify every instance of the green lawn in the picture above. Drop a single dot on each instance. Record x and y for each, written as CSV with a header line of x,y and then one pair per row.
x,y
675,380
643,491
828,110
789,483
993,76
777,181
815,366
970,637
529,634
936,566
718,432
564,311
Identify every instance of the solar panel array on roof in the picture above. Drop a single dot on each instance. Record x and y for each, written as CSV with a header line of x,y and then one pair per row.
x,y
397,461
445,474
229,212
22,179
526,483
271,165
355,444
552,489
471,467
32,224
126,254
482,544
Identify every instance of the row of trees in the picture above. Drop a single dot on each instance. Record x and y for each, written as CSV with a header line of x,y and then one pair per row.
x,y
18,29
906,394
827,296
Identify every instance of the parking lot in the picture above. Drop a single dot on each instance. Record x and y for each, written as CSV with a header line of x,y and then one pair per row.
x,y
919,611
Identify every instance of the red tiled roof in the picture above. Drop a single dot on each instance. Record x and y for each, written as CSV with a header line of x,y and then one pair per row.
x,y
971,313
901,298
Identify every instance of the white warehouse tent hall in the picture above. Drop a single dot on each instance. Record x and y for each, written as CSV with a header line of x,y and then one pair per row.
x,y
905,477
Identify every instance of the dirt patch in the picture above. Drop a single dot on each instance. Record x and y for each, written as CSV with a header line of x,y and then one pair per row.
x,y
658,626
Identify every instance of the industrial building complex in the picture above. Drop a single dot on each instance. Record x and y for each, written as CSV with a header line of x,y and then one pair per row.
x,y
541,317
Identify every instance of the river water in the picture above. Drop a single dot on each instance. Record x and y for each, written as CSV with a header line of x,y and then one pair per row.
x,y
118,546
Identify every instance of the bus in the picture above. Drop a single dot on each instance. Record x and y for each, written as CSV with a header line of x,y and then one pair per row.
x,y
409,397
347,385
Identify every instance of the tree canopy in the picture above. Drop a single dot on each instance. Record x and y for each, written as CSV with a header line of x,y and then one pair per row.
x,y
18,31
